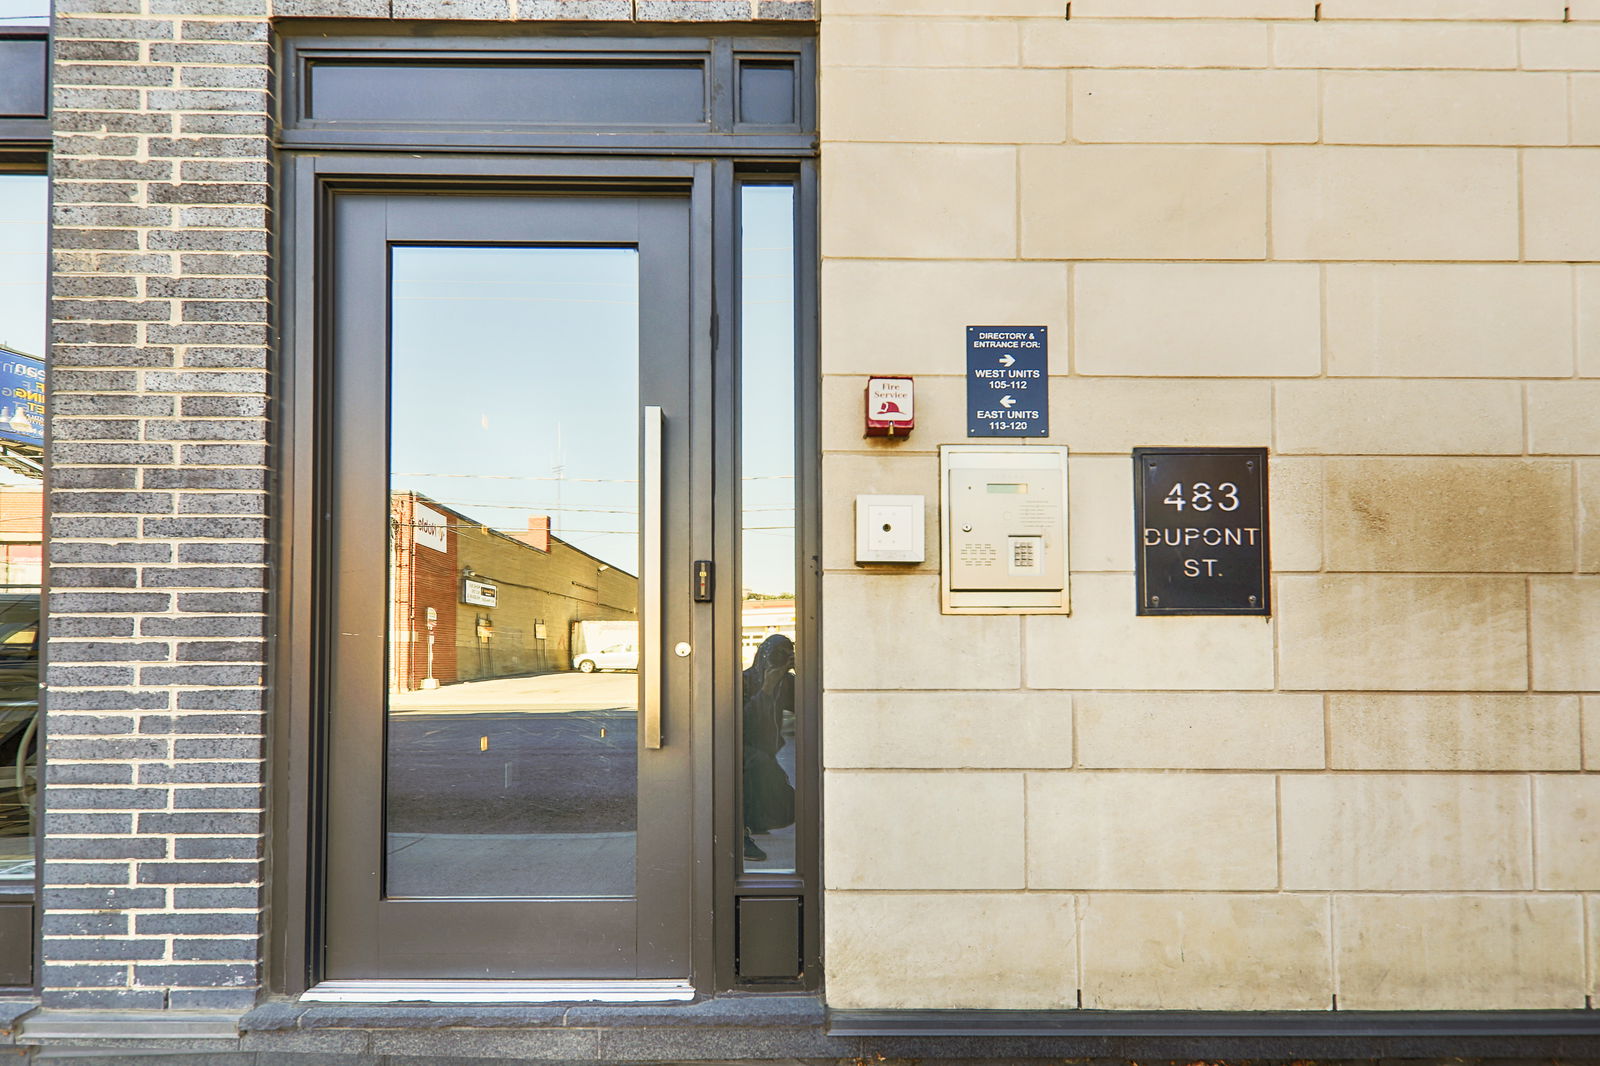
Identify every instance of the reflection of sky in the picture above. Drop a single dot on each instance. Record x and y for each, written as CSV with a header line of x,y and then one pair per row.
x,y
515,371
24,12
23,206
515,375
767,343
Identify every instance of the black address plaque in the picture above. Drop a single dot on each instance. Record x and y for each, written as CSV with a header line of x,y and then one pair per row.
x,y
1200,530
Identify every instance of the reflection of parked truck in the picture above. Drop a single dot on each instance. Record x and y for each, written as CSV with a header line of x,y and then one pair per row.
x,y
595,645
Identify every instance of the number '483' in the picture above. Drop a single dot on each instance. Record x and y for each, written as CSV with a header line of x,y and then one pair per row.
x,y
1201,497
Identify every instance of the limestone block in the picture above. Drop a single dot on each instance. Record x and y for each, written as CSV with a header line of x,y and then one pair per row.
x,y
1196,832
1080,42
1494,10
917,42
1592,909
888,317
1562,417
847,475
1591,732
1589,322
945,202
1448,515
1468,732
1581,10
1104,645
1199,106
885,631
1294,500
1100,513
1443,633
1585,109
1444,107
1192,9
1568,47
1567,832
1459,952
1115,415
1406,832
1394,203
1557,188
974,106
976,8
1589,516
939,407
1564,621
1455,321
1138,202
897,830
1195,731
1399,46
1206,952
1393,417
972,950
947,730
1197,319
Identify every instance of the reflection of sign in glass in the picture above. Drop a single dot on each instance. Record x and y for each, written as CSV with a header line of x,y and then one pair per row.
x,y
21,399
430,529
479,593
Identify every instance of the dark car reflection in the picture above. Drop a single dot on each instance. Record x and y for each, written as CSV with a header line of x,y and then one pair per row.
x,y
19,727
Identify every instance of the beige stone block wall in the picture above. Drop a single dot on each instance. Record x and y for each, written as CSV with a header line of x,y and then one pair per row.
x,y
1362,234
1206,952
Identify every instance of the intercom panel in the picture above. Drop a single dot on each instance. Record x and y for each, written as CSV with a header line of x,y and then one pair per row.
x,y
1004,520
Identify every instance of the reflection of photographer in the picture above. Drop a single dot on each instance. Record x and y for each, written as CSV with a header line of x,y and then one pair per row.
x,y
768,694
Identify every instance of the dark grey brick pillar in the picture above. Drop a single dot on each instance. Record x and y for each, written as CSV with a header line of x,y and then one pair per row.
x,y
159,512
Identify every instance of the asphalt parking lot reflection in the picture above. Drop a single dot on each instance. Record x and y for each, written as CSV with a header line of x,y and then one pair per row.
x,y
521,786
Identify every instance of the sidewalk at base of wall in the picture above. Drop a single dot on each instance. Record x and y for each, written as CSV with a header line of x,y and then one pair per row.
x,y
779,1030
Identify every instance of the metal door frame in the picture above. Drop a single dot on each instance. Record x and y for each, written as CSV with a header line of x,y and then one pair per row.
x,y
449,938
300,769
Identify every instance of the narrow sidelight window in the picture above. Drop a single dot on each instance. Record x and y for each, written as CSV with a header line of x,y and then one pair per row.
x,y
770,575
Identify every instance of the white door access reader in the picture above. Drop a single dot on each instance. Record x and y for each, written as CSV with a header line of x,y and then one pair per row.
x,y
1004,523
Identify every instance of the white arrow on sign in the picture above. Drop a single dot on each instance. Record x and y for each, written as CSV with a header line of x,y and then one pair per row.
x,y
1007,360
1006,401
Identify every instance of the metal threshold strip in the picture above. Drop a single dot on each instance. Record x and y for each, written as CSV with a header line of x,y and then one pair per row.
x,y
622,991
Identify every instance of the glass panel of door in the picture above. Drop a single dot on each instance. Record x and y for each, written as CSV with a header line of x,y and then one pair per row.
x,y
509,557
513,572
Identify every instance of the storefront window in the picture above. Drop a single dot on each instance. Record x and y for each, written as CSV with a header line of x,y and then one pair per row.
x,y
767,544
23,214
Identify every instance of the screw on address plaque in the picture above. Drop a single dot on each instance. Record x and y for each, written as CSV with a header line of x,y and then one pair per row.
x,y
682,649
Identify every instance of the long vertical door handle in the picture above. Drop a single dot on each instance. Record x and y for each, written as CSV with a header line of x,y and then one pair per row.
x,y
651,661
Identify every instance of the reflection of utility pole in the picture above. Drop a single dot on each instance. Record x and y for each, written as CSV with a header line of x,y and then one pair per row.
x,y
558,470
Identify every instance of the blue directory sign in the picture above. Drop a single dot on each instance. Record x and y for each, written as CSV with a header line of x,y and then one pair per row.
x,y
1008,381
21,398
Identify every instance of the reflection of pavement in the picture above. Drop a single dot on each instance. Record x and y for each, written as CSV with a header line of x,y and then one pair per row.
x,y
510,864
494,772
533,695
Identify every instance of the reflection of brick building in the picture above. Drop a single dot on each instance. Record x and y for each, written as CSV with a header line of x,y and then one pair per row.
x,y
21,525
423,574
539,585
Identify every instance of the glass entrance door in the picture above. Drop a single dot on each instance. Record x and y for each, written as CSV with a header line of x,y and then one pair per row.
x,y
511,683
